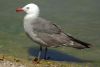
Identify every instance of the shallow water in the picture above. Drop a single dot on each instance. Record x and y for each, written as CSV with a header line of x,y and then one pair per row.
x,y
55,55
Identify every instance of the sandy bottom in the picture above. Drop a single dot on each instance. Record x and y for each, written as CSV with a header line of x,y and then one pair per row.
x,y
6,63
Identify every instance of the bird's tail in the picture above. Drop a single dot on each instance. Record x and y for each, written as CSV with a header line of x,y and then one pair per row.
x,y
75,43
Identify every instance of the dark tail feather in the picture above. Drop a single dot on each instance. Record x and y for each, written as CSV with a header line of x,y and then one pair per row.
x,y
86,45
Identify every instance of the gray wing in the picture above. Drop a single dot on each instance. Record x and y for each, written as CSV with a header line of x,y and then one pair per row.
x,y
48,32
43,26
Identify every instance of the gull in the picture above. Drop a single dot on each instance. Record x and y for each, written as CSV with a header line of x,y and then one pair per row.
x,y
46,33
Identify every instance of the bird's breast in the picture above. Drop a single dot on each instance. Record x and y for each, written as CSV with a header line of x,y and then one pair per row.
x,y
29,29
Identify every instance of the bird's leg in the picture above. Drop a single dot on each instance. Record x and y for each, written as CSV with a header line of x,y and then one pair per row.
x,y
39,55
45,54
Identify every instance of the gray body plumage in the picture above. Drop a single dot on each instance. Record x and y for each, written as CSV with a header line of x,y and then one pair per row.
x,y
48,34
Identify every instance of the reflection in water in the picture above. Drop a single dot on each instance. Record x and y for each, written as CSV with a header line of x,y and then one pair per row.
x,y
55,55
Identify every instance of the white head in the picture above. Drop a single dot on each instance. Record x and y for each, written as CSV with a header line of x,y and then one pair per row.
x,y
32,11
29,9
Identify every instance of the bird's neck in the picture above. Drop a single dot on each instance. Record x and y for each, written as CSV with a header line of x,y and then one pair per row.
x,y
31,16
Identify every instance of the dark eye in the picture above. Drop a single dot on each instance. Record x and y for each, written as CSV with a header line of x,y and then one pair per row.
x,y
27,7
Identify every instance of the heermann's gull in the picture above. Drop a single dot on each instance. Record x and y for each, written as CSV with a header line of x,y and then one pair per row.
x,y
46,33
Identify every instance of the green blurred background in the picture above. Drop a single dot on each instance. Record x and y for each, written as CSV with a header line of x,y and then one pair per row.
x,y
81,18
